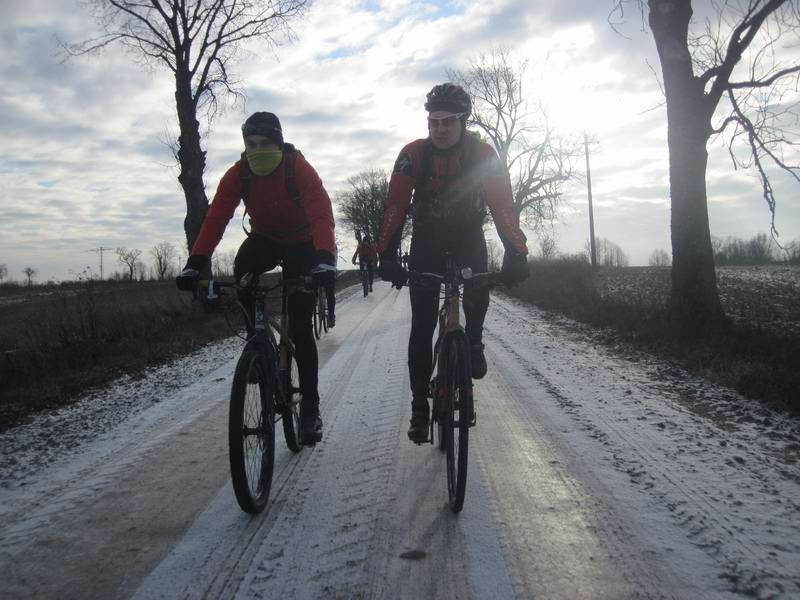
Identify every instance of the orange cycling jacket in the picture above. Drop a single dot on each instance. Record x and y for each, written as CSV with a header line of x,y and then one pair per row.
x,y
273,213
367,252
445,166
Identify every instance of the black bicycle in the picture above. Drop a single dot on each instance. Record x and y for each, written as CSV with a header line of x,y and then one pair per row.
x,y
265,388
453,411
362,267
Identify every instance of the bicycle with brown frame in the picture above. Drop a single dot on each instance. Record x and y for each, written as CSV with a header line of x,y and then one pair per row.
x,y
265,387
453,411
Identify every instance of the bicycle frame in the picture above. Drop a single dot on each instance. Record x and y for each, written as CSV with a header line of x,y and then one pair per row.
x,y
265,327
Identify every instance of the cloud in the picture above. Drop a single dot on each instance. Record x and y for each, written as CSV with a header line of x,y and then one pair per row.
x,y
83,160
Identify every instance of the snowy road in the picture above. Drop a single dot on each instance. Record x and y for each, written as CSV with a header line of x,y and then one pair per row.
x,y
595,472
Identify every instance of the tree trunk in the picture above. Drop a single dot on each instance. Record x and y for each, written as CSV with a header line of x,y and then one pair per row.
x,y
191,157
694,298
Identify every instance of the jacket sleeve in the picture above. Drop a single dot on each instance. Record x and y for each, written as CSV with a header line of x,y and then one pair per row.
x,y
219,212
497,191
355,254
317,206
398,199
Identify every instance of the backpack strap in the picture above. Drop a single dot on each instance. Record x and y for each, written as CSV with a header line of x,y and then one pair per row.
x,y
290,156
245,177
424,167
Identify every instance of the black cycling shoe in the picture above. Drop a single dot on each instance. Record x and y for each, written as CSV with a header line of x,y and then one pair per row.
x,y
331,321
420,427
310,430
478,361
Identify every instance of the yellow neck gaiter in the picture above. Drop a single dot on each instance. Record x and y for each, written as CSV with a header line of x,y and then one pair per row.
x,y
264,162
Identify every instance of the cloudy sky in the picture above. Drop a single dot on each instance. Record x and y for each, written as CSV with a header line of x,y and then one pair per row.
x,y
84,164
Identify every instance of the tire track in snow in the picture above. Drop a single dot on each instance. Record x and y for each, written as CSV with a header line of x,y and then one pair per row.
x,y
319,547
664,466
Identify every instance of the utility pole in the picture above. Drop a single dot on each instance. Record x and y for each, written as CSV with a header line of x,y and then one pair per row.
x,y
100,250
591,211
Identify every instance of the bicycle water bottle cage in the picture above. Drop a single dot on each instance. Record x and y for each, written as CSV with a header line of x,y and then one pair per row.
x,y
246,280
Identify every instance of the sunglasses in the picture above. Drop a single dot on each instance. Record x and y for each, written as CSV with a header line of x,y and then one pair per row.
x,y
449,121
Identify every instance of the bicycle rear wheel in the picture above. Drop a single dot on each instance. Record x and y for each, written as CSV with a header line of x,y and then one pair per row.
x,y
290,410
317,321
322,309
251,431
457,416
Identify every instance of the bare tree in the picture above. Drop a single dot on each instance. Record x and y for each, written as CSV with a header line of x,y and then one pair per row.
x,y
163,254
548,245
129,259
362,205
609,254
3,271
222,263
538,162
30,273
659,258
723,78
791,252
198,41
494,255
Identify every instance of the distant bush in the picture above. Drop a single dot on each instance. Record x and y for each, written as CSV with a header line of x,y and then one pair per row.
x,y
732,251
563,284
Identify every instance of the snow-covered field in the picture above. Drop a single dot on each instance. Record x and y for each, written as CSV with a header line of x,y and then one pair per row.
x,y
764,295
596,472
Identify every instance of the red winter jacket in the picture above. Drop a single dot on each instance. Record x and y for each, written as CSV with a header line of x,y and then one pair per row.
x,y
273,213
367,252
444,166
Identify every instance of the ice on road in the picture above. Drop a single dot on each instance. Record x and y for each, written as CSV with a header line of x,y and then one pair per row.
x,y
595,472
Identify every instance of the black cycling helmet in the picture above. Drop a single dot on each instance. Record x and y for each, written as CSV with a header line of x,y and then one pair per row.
x,y
264,123
449,97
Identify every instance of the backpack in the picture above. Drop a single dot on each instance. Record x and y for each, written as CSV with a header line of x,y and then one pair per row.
x,y
246,175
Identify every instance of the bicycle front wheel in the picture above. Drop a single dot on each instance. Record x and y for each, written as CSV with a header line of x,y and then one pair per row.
x,y
251,431
290,410
457,417
365,282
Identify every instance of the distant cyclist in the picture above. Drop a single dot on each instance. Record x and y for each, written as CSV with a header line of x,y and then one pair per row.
x,y
367,255
447,181
292,223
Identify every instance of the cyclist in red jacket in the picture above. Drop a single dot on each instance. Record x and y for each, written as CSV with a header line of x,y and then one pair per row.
x,y
292,223
367,255
447,180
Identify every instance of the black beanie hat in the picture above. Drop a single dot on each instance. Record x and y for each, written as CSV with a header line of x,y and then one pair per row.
x,y
264,123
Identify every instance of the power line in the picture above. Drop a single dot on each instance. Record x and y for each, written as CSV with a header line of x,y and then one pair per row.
x,y
100,251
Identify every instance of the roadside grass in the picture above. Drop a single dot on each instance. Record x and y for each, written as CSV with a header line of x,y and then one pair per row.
x,y
757,355
57,341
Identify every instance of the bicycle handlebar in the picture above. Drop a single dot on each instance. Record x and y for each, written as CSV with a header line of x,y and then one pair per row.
x,y
463,276
304,282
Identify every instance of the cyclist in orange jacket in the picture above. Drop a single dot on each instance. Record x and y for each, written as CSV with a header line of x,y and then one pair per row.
x,y
447,181
292,223
367,255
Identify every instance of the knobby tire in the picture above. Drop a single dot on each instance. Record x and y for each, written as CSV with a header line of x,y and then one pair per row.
x,y
251,431
457,416
290,409
322,309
